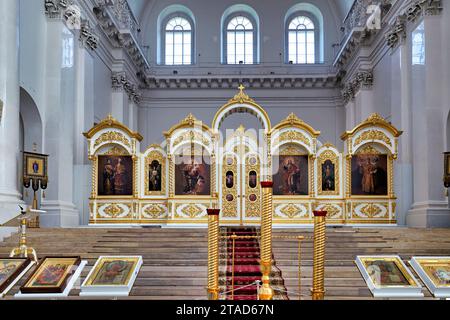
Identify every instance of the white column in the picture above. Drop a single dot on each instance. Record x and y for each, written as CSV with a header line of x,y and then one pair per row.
x,y
430,208
9,117
59,127
133,115
84,120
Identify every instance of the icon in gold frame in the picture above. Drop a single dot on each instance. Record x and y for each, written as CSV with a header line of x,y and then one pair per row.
x,y
10,269
112,276
388,276
435,273
51,275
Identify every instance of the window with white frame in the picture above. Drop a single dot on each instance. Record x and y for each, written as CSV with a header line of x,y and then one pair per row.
x,y
240,35
418,45
178,38
301,40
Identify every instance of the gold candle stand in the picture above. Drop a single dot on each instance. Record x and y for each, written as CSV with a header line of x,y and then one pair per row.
x,y
23,250
318,289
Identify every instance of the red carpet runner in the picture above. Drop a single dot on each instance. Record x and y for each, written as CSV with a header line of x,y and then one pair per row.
x,y
246,266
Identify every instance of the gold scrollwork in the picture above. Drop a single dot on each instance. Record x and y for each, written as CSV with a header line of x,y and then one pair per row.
x,y
373,210
290,210
334,211
155,211
112,136
191,136
191,210
371,135
292,135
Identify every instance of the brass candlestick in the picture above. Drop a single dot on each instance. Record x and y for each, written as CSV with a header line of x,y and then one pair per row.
x,y
266,292
213,254
23,250
318,289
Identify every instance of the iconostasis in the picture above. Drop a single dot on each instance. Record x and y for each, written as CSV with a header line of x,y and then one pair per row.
x,y
196,168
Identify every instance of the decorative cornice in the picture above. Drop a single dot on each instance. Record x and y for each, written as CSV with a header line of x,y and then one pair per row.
x,y
54,9
231,81
363,79
416,9
119,25
87,36
397,32
359,29
119,82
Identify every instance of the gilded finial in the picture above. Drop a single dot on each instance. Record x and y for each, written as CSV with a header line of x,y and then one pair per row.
x,y
241,97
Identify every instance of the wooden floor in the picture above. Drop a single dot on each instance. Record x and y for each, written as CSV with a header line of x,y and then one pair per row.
x,y
175,259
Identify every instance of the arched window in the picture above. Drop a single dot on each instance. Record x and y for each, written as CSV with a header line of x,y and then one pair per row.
x,y
178,41
240,40
302,40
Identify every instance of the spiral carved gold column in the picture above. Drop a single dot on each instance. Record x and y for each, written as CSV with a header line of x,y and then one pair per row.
x,y
318,289
266,292
213,254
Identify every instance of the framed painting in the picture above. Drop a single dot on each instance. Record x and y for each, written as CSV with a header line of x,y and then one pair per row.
x,y
115,175
112,275
292,176
35,165
388,276
369,175
435,273
51,275
10,270
192,176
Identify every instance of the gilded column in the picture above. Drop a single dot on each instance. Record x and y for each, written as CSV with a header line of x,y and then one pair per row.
x,y
94,160
318,289
266,292
213,254
171,176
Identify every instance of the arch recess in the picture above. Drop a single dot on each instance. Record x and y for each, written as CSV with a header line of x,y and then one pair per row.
x,y
241,103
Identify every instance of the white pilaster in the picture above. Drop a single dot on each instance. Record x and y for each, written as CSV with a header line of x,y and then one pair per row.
x,y
9,119
430,208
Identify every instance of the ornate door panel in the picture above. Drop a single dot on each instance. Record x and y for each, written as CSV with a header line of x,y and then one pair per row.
x,y
230,187
251,195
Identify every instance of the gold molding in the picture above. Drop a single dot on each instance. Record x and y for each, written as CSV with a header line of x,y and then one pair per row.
x,y
293,121
189,122
372,135
372,121
109,123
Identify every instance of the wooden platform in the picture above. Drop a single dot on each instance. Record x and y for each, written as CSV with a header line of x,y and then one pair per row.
x,y
175,259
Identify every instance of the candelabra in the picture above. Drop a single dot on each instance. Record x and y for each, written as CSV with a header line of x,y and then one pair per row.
x,y
23,250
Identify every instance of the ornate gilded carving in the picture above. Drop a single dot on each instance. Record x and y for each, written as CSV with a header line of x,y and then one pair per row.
x,y
112,136
229,194
252,194
192,211
113,210
155,211
292,136
116,151
371,210
241,97
334,211
372,135
368,149
290,210
191,136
